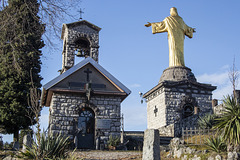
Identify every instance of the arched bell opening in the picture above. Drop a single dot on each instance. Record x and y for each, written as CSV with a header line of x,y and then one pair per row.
x,y
82,49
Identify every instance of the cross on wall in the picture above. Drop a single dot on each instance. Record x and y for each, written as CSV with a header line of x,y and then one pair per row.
x,y
87,72
155,111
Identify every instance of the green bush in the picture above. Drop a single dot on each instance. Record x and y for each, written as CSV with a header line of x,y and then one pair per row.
x,y
228,124
216,144
8,145
50,147
113,141
207,121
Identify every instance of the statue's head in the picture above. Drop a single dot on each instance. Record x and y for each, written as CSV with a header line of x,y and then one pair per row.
x,y
173,11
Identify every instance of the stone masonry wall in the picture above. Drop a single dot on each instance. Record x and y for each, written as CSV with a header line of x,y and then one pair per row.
x,y
173,100
154,120
168,101
64,113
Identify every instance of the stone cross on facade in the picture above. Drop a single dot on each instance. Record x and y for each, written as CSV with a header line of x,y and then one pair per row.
x,y
155,111
87,72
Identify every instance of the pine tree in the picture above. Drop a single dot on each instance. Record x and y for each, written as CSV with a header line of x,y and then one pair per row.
x,y
20,64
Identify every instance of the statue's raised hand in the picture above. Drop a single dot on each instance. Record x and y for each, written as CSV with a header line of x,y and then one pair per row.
x,y
148,25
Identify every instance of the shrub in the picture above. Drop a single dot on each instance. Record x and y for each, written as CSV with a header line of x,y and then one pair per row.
x,y
207,121
50,147
216,144
113,141
229,123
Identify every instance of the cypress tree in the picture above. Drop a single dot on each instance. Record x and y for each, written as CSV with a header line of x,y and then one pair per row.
x,y
20,42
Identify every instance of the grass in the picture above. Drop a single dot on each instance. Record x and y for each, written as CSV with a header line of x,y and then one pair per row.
x,y
4,153
196,139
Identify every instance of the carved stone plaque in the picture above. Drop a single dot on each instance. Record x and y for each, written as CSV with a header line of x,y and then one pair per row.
x,y
103,123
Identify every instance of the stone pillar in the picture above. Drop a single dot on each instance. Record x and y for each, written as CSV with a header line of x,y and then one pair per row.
x,y
151,145
27,141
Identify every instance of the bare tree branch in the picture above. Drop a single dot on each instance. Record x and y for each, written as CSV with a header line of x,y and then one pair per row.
x,y
233,77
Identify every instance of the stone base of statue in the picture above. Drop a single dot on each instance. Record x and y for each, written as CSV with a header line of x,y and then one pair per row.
x,y
177,101
151,145
178,73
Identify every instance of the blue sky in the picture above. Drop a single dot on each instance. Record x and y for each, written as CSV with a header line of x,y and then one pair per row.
x,y
137,58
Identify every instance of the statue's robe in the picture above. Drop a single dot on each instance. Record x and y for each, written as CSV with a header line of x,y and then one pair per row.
x,y
177,30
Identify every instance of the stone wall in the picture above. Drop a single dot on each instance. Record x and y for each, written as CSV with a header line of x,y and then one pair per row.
x,y
64,113
168,101
154,120
173,97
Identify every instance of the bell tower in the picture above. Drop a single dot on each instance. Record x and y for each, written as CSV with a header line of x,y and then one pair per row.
x,y
80,39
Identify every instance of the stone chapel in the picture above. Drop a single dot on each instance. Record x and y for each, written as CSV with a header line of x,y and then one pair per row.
x,y
85,99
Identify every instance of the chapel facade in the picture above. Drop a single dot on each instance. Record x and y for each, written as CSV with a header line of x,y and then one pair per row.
x,y
85,99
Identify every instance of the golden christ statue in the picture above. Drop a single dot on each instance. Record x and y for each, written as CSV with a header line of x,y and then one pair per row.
x,y
177,30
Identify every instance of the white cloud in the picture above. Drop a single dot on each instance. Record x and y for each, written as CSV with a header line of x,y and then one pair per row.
x,y
219,79
214,79
135,85
225,67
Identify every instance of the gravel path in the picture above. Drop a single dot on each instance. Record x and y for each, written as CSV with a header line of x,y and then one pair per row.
x,y
113,155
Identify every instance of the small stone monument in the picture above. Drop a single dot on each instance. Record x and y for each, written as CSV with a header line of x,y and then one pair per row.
x,y
151,145
27,141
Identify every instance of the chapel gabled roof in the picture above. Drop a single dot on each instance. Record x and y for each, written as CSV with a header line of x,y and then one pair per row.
x,y
122,88
74,24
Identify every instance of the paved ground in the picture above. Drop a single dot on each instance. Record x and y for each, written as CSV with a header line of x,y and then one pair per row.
x,y
113,155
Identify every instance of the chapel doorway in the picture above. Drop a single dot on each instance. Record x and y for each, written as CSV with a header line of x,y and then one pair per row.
x,y
86,127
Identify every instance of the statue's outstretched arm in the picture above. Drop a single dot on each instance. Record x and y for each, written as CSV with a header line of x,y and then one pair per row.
x,y
189,31
148,25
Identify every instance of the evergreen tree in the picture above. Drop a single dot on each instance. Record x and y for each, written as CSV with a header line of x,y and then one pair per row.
x,y
20,44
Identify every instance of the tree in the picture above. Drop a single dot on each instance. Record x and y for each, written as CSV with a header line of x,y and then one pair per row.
x,y
52,13
233,77
20,44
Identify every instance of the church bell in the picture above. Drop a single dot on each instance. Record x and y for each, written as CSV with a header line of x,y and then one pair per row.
x,y
80,53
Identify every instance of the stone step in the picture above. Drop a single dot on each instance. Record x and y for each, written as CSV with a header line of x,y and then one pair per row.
x,y
165,140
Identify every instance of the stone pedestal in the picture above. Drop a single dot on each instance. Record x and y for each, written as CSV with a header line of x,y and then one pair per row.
x,y
175,99
178,73
151,146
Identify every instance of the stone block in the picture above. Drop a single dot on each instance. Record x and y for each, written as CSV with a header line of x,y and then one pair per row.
x,y
117,124
27,141
151,146
100,102
218,157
